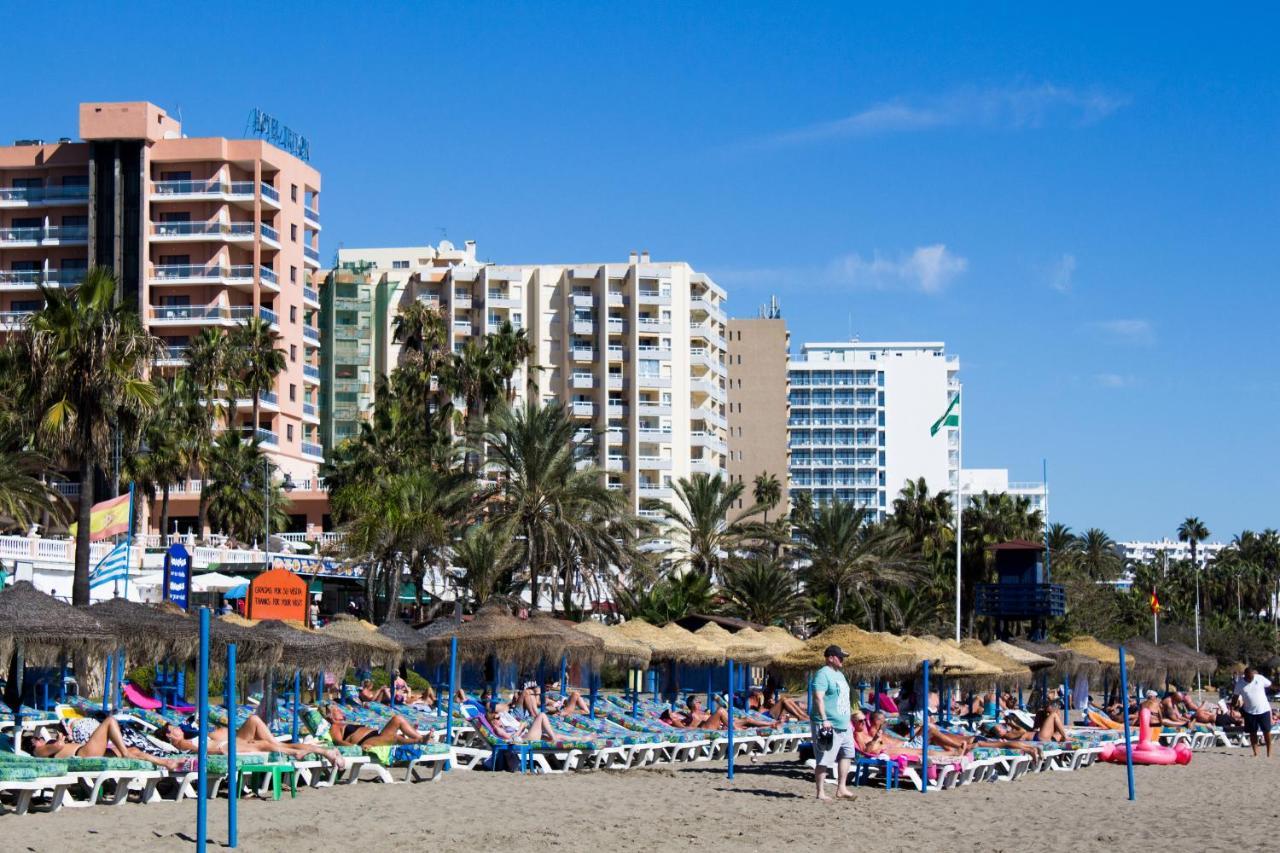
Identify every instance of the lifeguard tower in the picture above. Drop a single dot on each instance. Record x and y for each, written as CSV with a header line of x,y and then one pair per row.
x,y
1022,592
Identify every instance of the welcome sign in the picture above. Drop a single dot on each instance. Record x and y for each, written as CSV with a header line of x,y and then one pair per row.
x,y
177,575
278,594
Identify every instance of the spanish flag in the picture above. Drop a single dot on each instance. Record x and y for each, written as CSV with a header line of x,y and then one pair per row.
x,y
1155,602
108,518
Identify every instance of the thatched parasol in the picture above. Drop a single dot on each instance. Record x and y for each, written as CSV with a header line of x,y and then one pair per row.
x,y
415,646
617,646
48,629
779,641
149,634
1066,661
365,645
870,655
1197,662
302,649
1153,664
662,647
577,646
949,660
739,648
1106,657
494,631
1011,671
692,648
1026,657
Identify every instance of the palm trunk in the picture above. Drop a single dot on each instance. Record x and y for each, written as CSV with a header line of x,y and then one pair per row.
x,y
84,514
164,512
256,405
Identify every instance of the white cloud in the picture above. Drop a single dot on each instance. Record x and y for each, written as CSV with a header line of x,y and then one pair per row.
x,y
928,269
1132,331
1009,108
1062,272
1113,380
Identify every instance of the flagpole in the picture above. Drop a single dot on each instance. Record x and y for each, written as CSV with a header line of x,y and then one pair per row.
x,y
128,542
959,502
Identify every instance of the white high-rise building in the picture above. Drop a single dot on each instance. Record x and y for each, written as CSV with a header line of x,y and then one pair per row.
x,y
975,481
860,418
1145,552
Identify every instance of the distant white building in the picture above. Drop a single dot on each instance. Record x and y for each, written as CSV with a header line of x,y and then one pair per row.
x,y
975,481
1145,552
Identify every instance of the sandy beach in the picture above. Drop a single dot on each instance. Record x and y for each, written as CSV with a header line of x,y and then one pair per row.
x,y
1223,801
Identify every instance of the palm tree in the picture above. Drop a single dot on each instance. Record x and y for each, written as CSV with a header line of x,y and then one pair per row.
x,y
209,374
170,439
1193,531
258,359
992,518
421,330
1064,547
235,484
487,555
670,599
927,518
762,589
474,374
702,524
767,491
25,493
847,554
86,353
511,348
1098,555
541,492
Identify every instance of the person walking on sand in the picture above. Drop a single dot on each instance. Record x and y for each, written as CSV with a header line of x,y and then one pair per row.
x,y
1257,708
833,746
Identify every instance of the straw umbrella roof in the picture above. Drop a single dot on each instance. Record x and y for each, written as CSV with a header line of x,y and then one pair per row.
x,y
494,631
1026,657
734,646
1199,663
300,648
364,644
1065,661
662,647
574,644
48,628
779,641
1010,670
149,634
870,655
1151,663
415,646
1107,657
693,649
950,660
619,647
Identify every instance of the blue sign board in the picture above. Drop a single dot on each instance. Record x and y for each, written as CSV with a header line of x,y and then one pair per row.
x,y
177,575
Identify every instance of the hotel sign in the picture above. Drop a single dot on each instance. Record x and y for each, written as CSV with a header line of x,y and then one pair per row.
x,y
268,127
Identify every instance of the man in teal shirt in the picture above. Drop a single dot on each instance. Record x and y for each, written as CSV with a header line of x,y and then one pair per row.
x,y
833,738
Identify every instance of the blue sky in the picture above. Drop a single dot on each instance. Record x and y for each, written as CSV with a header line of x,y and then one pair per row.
x,y
1083,207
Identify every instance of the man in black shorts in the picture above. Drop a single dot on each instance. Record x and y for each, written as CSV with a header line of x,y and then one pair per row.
x,y
1257,708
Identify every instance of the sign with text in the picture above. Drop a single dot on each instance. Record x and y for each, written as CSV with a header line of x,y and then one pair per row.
x,y
278,594
177,575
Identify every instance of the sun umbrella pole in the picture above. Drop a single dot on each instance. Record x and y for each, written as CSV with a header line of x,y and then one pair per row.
x,y
297,699
729,710
595,690
564,676
120,680
233,834
542,693
711,704
106,685
1066,700
19,664
202,759
453,688
1128,735
924,735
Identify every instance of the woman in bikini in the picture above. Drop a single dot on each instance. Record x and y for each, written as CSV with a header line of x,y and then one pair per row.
x,y
508,728
397,731
107,736
253,736
781,709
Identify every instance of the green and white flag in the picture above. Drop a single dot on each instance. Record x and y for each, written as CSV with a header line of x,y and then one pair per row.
x,y
950,418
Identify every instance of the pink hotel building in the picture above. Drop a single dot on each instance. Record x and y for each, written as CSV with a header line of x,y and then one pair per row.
x,y
200,232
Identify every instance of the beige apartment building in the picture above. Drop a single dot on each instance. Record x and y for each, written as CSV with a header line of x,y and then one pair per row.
x,y
200,232
635,350
758,387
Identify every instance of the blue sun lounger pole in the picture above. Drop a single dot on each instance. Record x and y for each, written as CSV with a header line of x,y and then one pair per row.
x,y
1066,700
564,676
1128,734
453,688
202,759
595,690
924,735
233,789
729,702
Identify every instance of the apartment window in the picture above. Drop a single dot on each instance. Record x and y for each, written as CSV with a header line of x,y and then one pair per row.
x,y
293,275
293,313
288,432
293,192
293,352
399,265
293,232
293,392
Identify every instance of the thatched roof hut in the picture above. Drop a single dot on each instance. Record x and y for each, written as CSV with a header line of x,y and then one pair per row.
x,y
414,645
738,647
149,634
1010,671
364,645
300,648
574,644
617,646
662,647
1106,657
1152,664
779,641
870,655
692,649
48,628
948,660
1026,657
1197,663
1065,661
494,631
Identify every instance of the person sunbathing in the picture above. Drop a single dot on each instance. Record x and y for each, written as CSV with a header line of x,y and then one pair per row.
x,y
106,736
508,728
397,731
530,699
697,717
368,693
252,736
781,709
1049,727
404,695
870,738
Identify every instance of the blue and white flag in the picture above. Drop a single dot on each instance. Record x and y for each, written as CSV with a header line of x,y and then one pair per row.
x,y
113,567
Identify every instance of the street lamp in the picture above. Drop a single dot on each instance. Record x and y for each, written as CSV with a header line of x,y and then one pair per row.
x,y
287,485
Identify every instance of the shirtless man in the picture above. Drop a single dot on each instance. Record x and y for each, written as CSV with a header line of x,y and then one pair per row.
x,y
697,717
781,709
253,736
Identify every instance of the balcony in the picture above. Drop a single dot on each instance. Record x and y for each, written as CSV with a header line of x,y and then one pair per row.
x,y
582,380
650,351
653,491
616,463
615,381
617,354
654,408
503,299
309,411
264,436
269,315
616,408
29,279
615,299
315,451
581,300
19,197
311,296
311,373
192,315
310,334
462,299
310,256
705,466
1021,600
188,232
584,327
653,380
271,237
655,463
238,275
213,190
702,386
311,216
653,325
701,438
583,410
54,235
701,303
647,296
583,354
656,434
172,356
615,326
